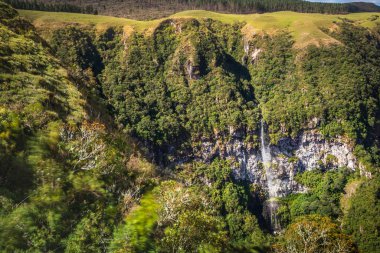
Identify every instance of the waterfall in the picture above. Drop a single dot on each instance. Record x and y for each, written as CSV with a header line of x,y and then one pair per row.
x,y
271,204
265,151
267,160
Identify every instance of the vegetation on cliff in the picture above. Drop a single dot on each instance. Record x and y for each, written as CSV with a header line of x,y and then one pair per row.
x,y
98,129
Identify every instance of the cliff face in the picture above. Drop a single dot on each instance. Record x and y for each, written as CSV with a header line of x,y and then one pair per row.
x,y
310,150
188,89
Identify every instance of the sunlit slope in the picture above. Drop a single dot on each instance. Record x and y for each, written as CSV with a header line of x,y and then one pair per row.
x,y
306,27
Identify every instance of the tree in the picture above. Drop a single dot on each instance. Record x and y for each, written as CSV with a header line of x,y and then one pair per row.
x,y
314,234
136,234
195,231
362,220
75,48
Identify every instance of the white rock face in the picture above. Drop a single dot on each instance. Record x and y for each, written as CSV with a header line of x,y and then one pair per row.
x,y
255,54
291,156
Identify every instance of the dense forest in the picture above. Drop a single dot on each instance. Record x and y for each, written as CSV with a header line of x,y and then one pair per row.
x,y
147,9
100,134
56,7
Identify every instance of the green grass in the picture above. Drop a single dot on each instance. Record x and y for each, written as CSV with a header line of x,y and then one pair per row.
x,y
305,27
47,21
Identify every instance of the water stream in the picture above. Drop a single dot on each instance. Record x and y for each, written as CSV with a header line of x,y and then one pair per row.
x,y
271,205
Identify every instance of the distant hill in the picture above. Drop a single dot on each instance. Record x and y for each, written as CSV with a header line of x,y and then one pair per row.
x,y
363,7
148,9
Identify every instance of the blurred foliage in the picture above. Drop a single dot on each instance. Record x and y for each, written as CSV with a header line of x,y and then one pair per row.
x,y
62,173
136,235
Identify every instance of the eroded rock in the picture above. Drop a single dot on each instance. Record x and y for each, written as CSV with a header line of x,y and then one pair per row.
x,y
310,150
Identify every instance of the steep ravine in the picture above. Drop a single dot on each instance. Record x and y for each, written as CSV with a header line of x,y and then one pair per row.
x,y
204,75
197,90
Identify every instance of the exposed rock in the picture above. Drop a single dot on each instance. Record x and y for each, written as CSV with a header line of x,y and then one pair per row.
x,y
192,70
177,26
246,47
308,151
255,54
314,123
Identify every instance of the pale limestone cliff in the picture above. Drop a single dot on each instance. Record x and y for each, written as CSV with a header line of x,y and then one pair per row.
x,y
310,150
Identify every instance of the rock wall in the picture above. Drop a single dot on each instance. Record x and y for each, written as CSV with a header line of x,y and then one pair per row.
x,y
289,157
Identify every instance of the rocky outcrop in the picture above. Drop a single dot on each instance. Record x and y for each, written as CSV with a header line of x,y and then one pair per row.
x,y
192,70
308,151
250,55
255,54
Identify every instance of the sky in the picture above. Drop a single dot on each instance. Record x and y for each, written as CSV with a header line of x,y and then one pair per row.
x,y
346,1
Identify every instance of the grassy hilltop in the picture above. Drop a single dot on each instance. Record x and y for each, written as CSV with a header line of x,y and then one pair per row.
x,y
305,27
